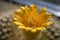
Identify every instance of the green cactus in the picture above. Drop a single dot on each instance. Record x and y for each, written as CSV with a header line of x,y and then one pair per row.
x,y
5,28
53,33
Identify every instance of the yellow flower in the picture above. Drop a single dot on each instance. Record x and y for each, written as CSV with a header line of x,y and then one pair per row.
x,y
32,19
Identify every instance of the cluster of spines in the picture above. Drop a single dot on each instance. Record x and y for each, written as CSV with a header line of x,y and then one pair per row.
x,y
53,33
5,28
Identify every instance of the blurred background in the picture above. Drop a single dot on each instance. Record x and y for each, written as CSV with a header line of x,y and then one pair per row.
x,y
52,6
7,8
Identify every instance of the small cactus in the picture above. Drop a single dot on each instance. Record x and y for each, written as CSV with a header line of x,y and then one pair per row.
x,y
5,28
33,31
53,33
32,21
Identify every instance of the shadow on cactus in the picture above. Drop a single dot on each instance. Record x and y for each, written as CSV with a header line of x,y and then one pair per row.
x,y
32,19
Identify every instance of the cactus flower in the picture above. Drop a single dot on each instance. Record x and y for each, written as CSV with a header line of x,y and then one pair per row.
x,y
32,19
